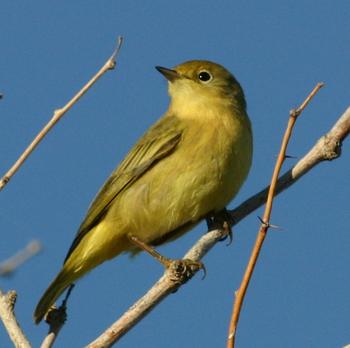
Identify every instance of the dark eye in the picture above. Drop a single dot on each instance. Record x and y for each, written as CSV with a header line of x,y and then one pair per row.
x,y
204,76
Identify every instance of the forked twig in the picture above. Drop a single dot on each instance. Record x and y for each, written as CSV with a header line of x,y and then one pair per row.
x,y
240,293
58,114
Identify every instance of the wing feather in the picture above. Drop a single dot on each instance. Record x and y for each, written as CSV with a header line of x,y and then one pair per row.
x,y
157,143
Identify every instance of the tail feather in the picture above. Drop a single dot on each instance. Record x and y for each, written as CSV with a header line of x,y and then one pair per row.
x,y
60,283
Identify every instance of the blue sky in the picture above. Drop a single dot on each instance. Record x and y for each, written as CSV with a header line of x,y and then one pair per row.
x,y
278,50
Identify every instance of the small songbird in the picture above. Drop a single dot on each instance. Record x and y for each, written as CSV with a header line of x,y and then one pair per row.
x,y
187,166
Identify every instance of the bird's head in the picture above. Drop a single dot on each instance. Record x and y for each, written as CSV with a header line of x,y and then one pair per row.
x,y
201,80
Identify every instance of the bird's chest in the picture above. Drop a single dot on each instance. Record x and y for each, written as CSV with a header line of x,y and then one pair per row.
x,y
211,163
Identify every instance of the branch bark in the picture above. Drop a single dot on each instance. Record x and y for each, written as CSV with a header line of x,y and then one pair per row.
x,y
327,148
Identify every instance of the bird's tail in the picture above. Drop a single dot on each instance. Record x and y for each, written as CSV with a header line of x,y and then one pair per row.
x,y
60,283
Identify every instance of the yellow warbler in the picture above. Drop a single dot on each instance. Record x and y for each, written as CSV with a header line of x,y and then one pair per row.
x,y
188,165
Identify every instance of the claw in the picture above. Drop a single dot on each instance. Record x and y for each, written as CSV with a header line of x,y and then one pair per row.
x,y
227,233
184,269
196,265
222,221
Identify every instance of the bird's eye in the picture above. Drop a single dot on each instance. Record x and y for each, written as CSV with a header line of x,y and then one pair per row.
x,y
204,76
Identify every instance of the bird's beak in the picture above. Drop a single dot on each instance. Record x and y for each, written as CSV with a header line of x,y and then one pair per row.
x,y
170,75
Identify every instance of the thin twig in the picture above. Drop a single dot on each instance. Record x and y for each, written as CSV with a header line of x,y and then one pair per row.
x,y
7,304
8,266
240,293
326,148
58,114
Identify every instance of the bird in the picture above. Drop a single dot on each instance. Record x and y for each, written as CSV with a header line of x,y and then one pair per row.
x,y
187,166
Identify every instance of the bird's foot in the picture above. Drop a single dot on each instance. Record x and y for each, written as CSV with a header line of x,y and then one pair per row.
x,y
57,316
181,270
221,221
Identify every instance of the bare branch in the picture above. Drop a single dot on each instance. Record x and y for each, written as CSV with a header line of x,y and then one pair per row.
x,y
326,148
7,304
8,266
58,114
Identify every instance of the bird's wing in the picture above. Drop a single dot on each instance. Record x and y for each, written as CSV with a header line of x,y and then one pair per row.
x,y
157,143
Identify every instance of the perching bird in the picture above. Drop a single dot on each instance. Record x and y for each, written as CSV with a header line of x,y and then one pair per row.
x,y
187,166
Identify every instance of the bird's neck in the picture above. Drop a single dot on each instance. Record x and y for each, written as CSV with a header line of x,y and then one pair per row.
x,y
203,107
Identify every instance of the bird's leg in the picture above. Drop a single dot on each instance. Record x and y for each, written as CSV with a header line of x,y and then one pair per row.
x,y
182,268
221,221
153,252
56,317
